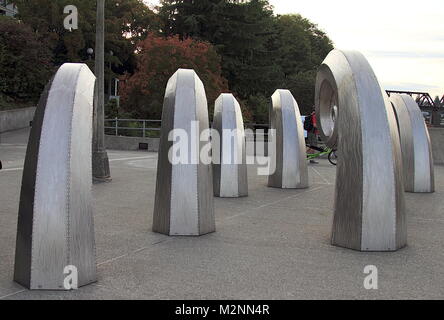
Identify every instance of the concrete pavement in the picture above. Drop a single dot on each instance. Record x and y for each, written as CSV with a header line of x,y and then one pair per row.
x,y
273,244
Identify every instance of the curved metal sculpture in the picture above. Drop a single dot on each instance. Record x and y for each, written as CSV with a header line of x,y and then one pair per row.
x,y
184,190
288,135
230,172
415,145
356,117
55,223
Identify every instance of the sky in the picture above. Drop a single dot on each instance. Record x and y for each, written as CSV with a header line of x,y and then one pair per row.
x,y
402,39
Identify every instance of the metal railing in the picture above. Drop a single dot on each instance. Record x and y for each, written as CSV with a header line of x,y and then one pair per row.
x,y
263,136
133,127
428,114
144,128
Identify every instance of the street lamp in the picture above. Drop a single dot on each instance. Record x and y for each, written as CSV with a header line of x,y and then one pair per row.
x,y
100,162
111,53
90,52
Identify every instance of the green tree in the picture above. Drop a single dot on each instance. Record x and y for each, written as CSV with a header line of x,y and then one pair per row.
x,y
25,63
301,47
260,52
240,32
127,21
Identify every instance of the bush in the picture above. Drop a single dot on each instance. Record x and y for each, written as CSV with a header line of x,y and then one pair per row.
x,y
25,63
259,105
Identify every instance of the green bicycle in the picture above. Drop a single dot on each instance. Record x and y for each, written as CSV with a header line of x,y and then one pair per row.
x,y
331,154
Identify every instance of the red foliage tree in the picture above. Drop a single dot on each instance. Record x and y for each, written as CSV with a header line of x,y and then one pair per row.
x,y
157,59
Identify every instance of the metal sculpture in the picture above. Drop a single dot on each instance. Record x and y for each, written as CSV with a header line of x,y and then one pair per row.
x,y
415,145
356,117
290,157
230,171
184,189
55,222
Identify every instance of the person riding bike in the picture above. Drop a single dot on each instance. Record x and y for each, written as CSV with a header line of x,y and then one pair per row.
x,y
310,125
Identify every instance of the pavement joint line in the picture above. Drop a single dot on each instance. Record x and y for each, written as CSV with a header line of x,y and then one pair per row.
x,y
324,183
135,168
111,160
317,172
272,203
426,220
320,209
11,169
153,244
12,145
132,158
12,294
113,259
132,252
310,208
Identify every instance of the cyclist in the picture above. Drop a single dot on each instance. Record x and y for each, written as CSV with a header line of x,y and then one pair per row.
x,y
310,125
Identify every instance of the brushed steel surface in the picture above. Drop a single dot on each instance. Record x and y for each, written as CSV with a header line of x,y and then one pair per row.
x,y
184,192
415,145
290,158
369,209
230,174
60,220
22,266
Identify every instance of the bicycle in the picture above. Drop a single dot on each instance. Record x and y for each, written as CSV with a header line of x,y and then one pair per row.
x,y
331,154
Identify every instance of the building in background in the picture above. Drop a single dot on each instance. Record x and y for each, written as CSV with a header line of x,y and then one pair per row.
x,y
7,8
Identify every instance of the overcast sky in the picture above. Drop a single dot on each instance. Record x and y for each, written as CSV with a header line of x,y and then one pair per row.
x,y
402,39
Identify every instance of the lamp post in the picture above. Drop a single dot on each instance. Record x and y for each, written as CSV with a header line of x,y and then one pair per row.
x,y
111,53
100,163
90,52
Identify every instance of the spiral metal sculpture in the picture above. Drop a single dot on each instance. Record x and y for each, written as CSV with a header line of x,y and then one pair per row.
x,y
415,145
355,116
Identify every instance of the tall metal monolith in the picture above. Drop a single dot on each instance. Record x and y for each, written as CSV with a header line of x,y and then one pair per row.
x,y
416,149
230,171
287,133
55,231
184,188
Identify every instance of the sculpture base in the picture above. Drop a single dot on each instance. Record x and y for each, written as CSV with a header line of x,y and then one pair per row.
x,y
100,167
271,185
189,235
368,250
231,197
27,285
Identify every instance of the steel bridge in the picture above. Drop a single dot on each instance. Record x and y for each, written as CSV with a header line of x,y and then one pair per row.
x,y
424,100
